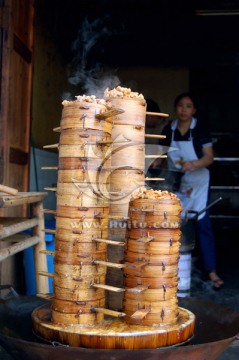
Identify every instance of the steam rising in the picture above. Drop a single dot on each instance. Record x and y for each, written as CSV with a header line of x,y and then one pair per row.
x,y
93,79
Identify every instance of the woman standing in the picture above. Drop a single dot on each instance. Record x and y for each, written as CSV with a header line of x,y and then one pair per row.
x,y
191,153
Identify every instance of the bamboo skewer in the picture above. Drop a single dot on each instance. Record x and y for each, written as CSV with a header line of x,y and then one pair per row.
x,y
154,179
115,217
52,146
108,312
49,168
50,188
110,242
109,113
156,114
155,156
50,231
48,211
109,264
45,296
57,129
155,136
47,252
138,289
45,273
108,287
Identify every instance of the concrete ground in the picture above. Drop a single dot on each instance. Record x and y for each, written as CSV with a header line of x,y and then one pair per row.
x,y
228,268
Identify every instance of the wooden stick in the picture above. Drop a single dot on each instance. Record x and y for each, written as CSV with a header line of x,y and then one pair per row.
x,y
108,287
50,231
47,252
108,312
109,264
52,146
155,156
45,296
140,314
50,188
138,289
110,242
8,190
109,113
154,179
45,273
49,167
155,136
156,114
57,129
48,211
19,246
21,225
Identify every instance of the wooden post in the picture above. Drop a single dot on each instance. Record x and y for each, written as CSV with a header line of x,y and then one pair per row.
x,y
42,284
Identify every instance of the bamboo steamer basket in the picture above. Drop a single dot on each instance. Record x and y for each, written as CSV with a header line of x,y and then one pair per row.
x,y
83,163
152,282
74,293
158,235
82,212
151,259
78,271
165,317
163,294
155,306
135,111
85,175
74,258
79,283
85,319
82,137
80,224
127,132
86,194
84,151
80,246
120,155
77,236
82,116
152,247
76,307
152,270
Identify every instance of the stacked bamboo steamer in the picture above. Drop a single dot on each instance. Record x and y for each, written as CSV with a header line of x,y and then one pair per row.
x,y
151,258
127,173
81,206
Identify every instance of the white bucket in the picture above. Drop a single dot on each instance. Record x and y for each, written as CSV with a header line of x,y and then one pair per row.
x,y
184,274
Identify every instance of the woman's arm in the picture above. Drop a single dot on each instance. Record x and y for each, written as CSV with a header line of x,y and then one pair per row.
x,y
204,161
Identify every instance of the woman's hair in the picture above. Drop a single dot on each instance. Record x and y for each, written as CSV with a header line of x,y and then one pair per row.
x,y
183,95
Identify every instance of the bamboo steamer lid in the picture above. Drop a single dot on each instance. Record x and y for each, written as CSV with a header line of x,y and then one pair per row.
x,y
76,307
78,236
83,116
163,248
80,246
152,270
86,163
152,259
82,212
74,293
87,319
